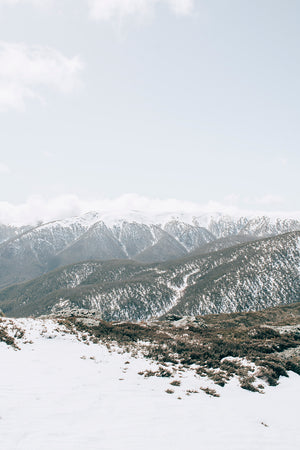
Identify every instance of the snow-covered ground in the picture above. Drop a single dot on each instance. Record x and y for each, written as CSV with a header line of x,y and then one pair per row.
x,y
57,393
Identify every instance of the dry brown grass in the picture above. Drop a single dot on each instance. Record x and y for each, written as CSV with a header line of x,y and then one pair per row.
x,y
240,337
209,391
10,339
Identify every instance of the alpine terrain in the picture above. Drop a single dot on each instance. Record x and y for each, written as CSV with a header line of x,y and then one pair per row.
x,y
140,267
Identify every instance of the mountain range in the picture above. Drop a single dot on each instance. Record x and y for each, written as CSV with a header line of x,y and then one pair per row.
x,y
29,251
134,270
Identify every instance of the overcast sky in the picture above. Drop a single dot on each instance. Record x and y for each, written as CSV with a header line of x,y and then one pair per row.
x,y
195,100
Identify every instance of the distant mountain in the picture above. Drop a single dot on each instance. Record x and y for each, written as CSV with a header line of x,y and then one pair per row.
x,y
98,242
265,226
190,236
9,232
28,252
260,226
31,253
249,276
221,244
224,226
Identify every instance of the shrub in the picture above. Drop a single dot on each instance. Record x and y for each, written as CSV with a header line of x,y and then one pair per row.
x,y
169,391
209,391
246,384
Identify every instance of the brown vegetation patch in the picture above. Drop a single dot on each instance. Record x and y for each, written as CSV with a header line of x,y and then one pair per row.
x,y
209,391
225,347
175,383
10,333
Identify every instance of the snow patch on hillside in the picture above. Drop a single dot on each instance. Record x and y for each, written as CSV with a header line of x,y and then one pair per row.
x,y
179,290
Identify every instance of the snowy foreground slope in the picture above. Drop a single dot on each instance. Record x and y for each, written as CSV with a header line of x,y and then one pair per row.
x,y
57,392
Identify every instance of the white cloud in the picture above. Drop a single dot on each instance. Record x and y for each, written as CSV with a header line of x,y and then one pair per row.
x,y
265,200
26,70
109,9
130,206
270,199
4,169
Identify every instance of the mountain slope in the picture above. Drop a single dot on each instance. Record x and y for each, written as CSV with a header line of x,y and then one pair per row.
x,y
166,248
26,253
222,244
31,253
96,243
252,276
265,226
190,236
9,232
261,274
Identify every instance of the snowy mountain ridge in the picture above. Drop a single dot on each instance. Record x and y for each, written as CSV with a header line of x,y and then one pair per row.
x,y
205,220
248,276
26,253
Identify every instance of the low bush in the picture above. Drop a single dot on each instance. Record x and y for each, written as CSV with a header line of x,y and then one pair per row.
x,y
209,391
175,383
238,336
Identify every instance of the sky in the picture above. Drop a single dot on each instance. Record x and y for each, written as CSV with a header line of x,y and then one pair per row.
x,y
168,102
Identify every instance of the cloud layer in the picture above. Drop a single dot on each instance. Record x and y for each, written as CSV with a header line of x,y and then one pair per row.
x,y
26,70
128,206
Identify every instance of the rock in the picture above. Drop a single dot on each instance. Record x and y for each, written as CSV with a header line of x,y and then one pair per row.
x,y
172,317
187,321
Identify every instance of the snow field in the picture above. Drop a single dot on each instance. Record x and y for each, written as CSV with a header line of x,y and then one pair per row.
x,y
59,393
